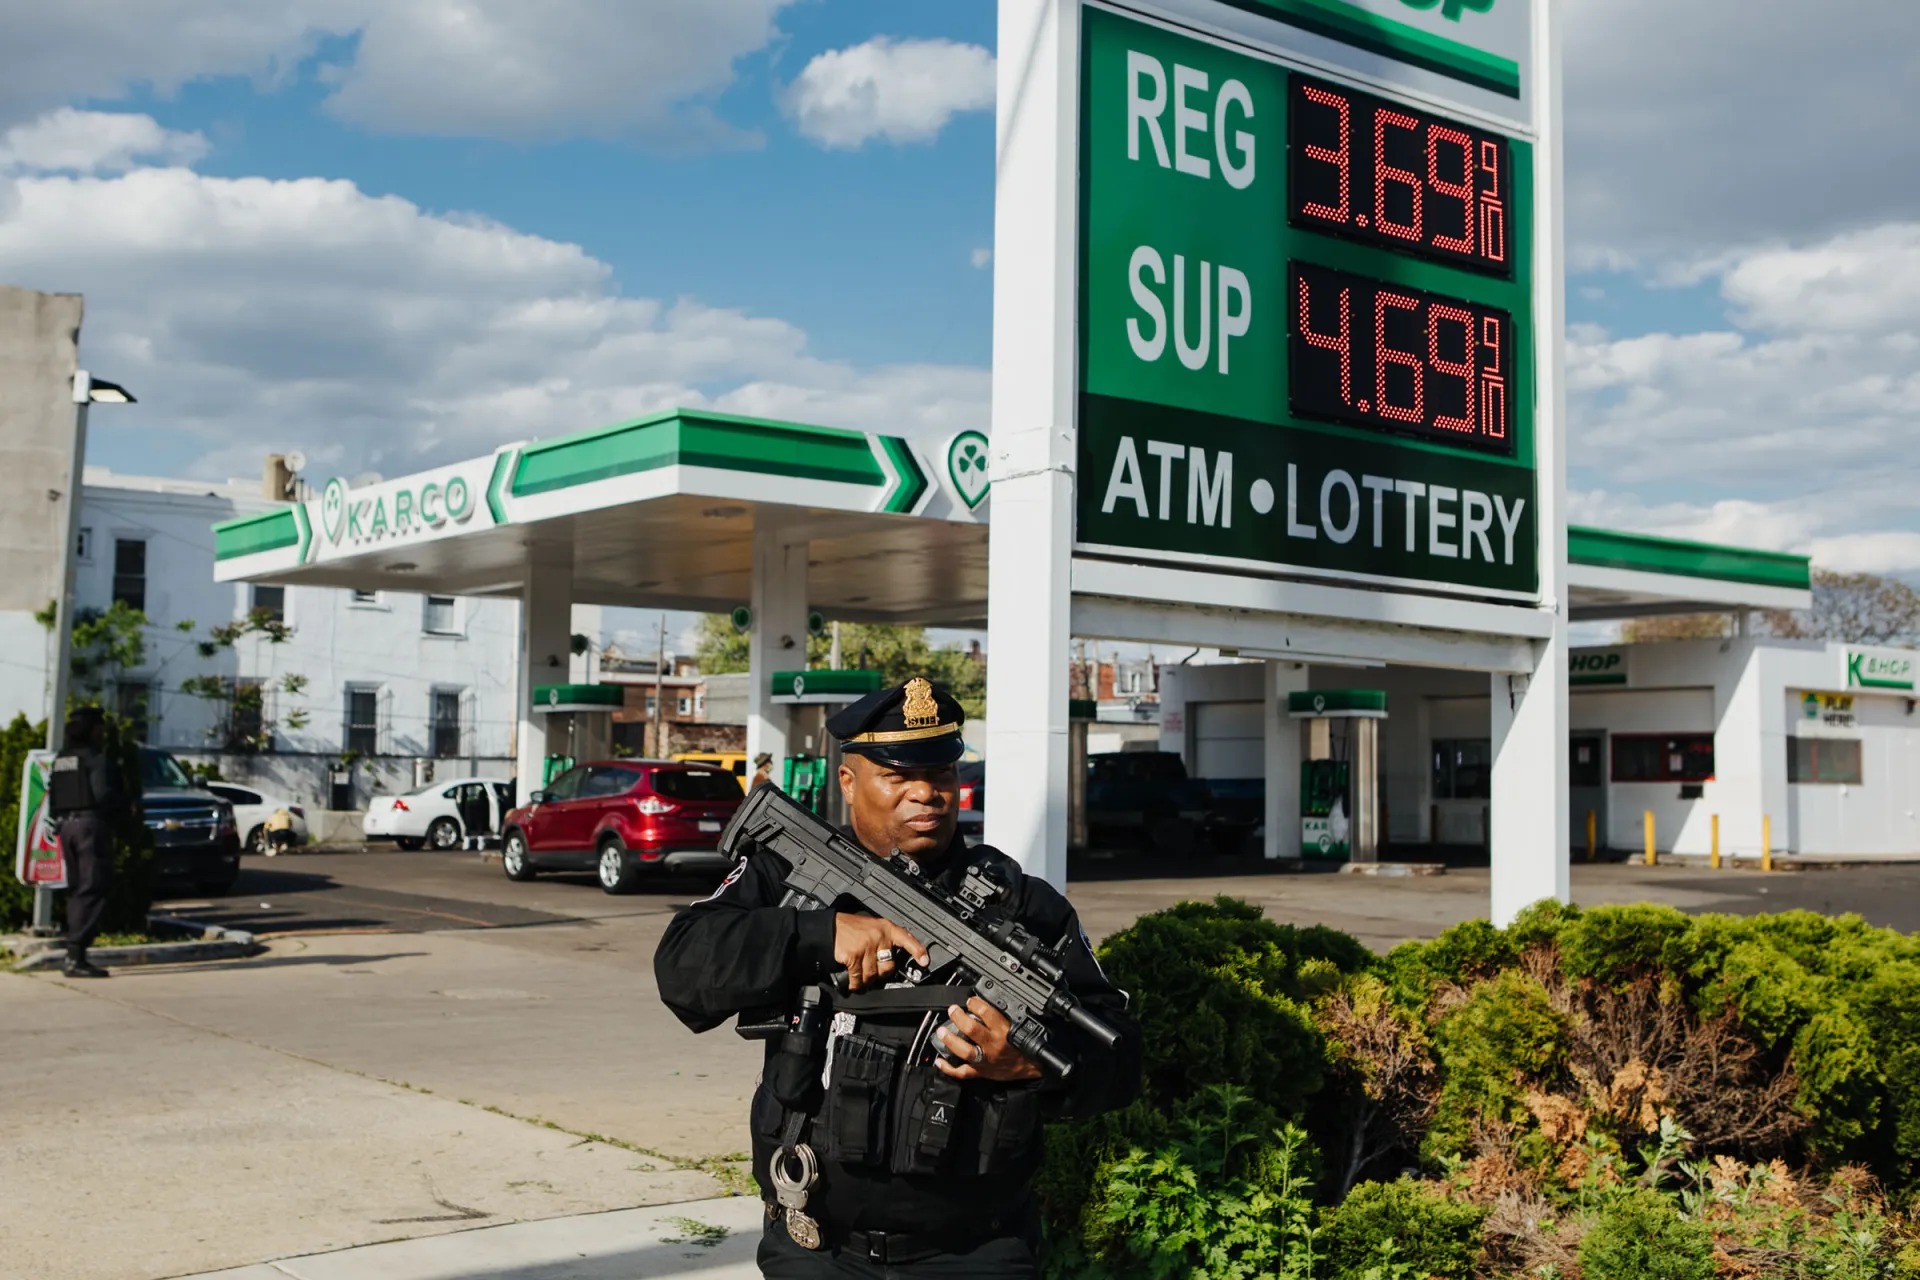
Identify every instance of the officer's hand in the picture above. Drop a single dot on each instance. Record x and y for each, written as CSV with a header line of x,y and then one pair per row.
x,y
977,1035
866,946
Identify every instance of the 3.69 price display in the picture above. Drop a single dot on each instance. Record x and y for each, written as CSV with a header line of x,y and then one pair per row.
x,y
1378,171
1370,354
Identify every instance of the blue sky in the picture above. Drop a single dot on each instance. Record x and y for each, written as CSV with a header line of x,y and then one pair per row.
x,y
393,233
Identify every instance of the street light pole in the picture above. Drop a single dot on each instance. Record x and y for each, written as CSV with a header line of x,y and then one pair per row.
x,y
85,391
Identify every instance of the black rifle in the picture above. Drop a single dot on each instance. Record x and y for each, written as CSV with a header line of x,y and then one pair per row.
x,y
971,941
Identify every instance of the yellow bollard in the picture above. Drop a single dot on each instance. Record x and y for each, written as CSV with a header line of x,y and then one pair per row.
x,y
1766,842
1592,846
1649,837
1716,842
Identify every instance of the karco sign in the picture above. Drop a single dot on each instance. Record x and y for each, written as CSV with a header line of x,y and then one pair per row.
x,y
426,504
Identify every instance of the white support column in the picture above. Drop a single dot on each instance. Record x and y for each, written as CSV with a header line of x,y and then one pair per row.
x,y
778,638
1029,558
546,650
1283,761
1531,839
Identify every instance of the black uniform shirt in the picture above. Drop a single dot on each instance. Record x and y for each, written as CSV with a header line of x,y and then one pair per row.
x,y
741,950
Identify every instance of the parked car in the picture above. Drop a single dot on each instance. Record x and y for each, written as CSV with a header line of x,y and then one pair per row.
x,y
194,838
1145,800
971,821
252,808
442,815
623,819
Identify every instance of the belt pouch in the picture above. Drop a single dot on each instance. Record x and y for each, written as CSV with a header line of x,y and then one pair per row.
x,y
1009,1126
859,1099
931,1117
793,1074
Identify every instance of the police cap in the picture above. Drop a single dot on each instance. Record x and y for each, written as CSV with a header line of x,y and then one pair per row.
x,y
910,726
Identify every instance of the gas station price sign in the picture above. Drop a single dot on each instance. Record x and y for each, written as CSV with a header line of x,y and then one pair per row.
x,y
1306,320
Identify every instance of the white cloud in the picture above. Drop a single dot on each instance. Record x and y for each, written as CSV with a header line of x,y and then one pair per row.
x,y
1805,419
94,142
254,314
1697,126
980,258
509,69
493,68
900,90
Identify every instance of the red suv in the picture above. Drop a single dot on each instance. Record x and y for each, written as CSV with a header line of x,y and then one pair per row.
x,y
622,818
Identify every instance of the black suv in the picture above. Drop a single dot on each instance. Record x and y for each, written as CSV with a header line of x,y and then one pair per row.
x,y
194,840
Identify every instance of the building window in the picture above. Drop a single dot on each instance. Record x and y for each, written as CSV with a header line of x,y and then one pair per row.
x,y
1663,757
684,706
446,723
700,703
1462,768
130,573
249,717
83,546
363,597
271,601
363,721
1832,760
437,618
131,701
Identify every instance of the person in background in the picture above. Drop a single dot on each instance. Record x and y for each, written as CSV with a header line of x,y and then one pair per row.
x,y
87,798
762,769
279,832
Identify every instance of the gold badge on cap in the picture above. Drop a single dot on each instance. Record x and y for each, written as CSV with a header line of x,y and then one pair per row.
x,y
919,709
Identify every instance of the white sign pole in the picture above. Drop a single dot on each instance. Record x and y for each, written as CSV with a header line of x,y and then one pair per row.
x,y
1531,837
1029,566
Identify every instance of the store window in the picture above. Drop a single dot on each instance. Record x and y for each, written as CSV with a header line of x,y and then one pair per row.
x,y
1663,757
438,618
1830,760
1462,768
268,601
130,573
363,721
446,723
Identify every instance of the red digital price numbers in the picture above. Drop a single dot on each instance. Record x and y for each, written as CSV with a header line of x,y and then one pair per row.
x,y
1373,170
1371,354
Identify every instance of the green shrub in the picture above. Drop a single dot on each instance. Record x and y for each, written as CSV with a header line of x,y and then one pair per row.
x,y
1506,1031
1409,1223
1640,1236
18,738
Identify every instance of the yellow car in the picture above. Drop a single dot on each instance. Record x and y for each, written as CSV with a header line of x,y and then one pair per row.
x,y
734,762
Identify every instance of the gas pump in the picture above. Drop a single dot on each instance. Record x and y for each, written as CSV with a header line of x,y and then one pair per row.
x,y
811,774
1340,798
579,723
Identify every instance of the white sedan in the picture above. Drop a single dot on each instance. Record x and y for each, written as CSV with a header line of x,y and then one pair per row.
x,y
252,808
443,815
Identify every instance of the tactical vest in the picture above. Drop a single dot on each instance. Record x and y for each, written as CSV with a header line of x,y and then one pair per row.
x,y
70,785
856,1079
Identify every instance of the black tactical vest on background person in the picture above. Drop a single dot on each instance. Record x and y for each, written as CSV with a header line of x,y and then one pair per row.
x,y
70,784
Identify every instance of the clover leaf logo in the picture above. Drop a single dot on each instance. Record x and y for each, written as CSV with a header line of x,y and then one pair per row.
x,y
967,467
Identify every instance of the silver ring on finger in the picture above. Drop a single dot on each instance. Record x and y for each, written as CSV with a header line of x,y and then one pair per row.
x,y
979,1055
883,955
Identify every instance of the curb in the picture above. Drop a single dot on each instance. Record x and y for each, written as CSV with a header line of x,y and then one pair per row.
x,y
214,942
1395,869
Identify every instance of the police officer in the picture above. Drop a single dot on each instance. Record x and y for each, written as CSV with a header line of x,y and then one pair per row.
x,y
86,797
927,1122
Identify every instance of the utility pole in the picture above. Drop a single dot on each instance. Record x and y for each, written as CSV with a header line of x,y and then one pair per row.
x,y
660,695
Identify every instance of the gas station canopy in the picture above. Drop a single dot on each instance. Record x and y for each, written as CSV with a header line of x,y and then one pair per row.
x,y
660,511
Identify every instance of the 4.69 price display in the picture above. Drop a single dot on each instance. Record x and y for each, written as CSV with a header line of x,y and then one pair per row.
x,y
1370,354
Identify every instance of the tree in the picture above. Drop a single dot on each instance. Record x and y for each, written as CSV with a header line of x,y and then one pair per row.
x,y
898,653
1857,608
1676,626
245,723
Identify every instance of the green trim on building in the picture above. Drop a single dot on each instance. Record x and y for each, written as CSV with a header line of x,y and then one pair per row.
x,y
824,682
250,535
681,437
503,469
1338,21
913,481
574,697
1644,553
1337,702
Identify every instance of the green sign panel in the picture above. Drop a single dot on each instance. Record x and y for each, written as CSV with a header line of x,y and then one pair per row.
x,y
1306,323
